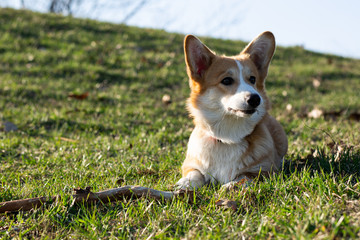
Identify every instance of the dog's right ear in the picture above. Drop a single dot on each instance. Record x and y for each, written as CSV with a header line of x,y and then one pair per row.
x,y
198,57
261,50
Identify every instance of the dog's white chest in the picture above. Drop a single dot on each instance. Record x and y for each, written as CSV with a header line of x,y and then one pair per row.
x,y
218,162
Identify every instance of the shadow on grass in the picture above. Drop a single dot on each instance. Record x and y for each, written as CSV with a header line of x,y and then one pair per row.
x,y
26,96
341,164
67,125
339,75
113,77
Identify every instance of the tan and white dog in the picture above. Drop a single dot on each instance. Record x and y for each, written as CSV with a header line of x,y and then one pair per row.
x,y
234,136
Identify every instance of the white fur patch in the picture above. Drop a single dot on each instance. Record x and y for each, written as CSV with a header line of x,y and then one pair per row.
x,y
238,100
244,86
219,162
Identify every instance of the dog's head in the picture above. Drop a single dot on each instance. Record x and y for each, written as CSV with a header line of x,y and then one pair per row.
x,y
229,88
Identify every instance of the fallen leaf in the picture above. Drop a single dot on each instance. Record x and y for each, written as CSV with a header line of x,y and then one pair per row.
x,y
143,59
315,113
190,195
143,172
316,82
303,112
68,140
339,153
168,63
355,116
79,96
331,145
120,181
244,181
289,107
73,111
166,99
333,115
30,57
315,153
227,204
328,115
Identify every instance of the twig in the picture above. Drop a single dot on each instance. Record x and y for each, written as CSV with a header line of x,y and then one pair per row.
x,y
86,196
322,130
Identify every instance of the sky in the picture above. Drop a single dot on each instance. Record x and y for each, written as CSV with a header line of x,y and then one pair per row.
x,y
325,26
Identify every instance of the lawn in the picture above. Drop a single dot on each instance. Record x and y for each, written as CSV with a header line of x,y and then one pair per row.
x,y
86,100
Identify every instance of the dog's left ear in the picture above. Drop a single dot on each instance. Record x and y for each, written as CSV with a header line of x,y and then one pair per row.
x,y
261,50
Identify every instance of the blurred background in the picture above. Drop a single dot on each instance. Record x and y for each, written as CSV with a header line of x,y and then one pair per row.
x,y
325,26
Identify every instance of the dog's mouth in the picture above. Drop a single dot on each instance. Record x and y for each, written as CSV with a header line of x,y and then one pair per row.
x,y
245,111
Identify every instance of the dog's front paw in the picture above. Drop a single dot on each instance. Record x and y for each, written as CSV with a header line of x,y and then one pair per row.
x,y
189,183
186,184
193,180
183,183
236,184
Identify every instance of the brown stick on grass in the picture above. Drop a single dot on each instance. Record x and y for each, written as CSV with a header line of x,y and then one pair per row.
x,y
86,196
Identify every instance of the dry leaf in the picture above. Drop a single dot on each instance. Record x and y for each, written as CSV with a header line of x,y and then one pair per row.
x,y
339,152
331,145
289,107
227,204
79,96
166,99
120,181
315,113
333,115
68,140
316,82
338,149
143,59
144,172
30,57
355,116
160,65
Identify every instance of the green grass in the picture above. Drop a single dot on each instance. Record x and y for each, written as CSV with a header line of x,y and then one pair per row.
x,y
122,134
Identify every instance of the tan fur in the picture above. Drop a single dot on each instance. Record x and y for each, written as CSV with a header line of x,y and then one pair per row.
x,y
228,142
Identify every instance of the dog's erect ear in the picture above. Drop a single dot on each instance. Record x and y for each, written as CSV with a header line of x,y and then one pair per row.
x,y
198,57
261,50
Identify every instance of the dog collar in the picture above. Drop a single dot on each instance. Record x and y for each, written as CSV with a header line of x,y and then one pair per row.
x,y
216,139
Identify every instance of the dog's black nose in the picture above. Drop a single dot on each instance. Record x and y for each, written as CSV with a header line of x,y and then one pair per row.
x,y
253,100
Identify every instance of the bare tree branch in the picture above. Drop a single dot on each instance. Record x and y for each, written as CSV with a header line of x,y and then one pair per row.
x,y
63,6
86,196
134,11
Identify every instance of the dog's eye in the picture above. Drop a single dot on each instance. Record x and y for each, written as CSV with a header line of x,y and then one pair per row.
x,y
252,79
227,81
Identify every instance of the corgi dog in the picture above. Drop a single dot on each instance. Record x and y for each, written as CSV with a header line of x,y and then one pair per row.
x,y
234,135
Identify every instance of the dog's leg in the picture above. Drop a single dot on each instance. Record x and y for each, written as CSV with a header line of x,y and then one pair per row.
x,y
193,180
241,181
